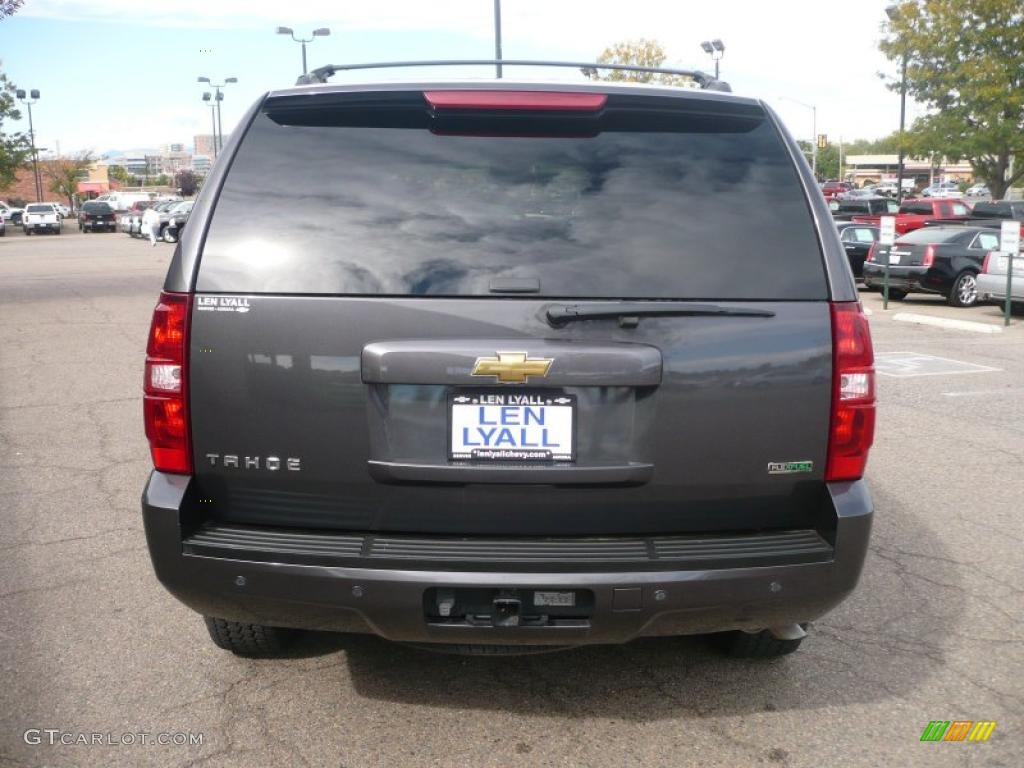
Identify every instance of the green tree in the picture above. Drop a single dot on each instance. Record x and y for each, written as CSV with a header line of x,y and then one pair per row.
x,y
642,53
118,174
14,147
162,180
66,172
965,60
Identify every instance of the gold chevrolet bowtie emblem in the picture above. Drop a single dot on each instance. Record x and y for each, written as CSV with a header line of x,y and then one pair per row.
x,y
512,367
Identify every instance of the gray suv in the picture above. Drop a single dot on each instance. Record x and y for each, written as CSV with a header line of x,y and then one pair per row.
x,y
506,371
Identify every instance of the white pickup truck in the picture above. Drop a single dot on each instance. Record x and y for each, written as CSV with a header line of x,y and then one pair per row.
x,y
10,214
40,217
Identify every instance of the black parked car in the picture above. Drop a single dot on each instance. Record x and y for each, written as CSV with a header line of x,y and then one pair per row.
x,y
95,216
506,372
857,239
940,259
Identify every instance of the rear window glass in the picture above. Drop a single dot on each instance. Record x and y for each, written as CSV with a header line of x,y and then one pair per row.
x,y
40,208
933,235
999,210
96,207
920,208
642,204
864,235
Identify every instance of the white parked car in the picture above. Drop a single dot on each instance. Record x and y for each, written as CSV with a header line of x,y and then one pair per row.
x,y
122,201
942,189
978,190
40,217
10,214
62,209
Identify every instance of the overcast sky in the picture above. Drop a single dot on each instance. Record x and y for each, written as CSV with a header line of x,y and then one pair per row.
x,y
121,74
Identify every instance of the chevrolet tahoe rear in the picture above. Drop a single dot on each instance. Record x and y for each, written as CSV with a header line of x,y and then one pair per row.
x,y
507,371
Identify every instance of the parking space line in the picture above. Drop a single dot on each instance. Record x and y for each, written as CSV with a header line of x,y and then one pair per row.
x,y
980,392
906,365
944,322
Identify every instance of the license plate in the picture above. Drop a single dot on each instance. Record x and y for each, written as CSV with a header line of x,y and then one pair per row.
x,y
554,599
894,258
513,425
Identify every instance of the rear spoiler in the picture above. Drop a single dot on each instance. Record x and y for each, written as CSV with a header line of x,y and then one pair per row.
x,y
703,79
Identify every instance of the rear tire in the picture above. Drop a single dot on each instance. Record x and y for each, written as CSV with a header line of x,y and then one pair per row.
x,y
896,294
965,290
759,645
169,237
249,640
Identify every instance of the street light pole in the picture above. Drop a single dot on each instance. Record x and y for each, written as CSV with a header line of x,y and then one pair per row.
x,y
219,137
32,98
903,118
497,37
322,32
220,123
715,49
814,131
893,12
213,123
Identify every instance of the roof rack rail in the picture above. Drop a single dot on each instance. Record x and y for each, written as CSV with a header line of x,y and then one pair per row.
x,y
703,79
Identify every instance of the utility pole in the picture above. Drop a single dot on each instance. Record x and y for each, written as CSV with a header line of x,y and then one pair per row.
x,y
497,37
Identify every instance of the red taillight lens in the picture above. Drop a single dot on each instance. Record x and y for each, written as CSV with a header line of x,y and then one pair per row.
x,y
165,402
986,262
929,256
872,251
852,428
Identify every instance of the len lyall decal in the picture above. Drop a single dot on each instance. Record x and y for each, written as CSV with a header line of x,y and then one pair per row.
x,y
958,730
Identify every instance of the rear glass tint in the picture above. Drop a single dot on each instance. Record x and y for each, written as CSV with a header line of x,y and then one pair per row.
x,y
933,235
96,207
643,201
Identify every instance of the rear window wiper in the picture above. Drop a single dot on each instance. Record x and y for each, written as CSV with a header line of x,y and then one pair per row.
x,y
629,312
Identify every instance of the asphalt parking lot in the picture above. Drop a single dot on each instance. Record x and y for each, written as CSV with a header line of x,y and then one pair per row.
x,y
93,644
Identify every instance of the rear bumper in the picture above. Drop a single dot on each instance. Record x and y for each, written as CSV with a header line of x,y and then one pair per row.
x,y
902,278
283,590
994,287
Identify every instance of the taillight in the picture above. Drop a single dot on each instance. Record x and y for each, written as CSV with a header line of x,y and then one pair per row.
x,y
852,428
165,402
929,256
872,251
987,261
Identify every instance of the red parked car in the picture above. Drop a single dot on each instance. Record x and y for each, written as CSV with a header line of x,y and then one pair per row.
x,y
832,188
915,213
